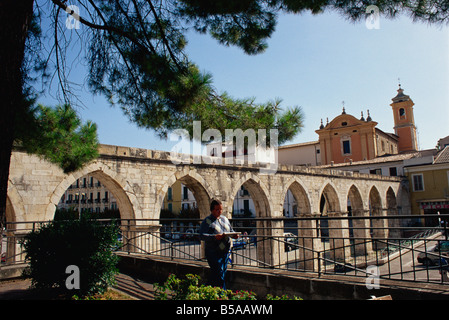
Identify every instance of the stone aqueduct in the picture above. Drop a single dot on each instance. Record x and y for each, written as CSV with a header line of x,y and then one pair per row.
x,y
139,179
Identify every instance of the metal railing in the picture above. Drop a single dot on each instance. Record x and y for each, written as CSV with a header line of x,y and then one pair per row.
x,y
384,247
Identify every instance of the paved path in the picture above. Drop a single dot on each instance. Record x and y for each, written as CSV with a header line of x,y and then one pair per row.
x,y
18,289
134,287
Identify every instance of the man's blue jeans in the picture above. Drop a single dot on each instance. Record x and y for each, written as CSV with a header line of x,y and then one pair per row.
x,y
218,263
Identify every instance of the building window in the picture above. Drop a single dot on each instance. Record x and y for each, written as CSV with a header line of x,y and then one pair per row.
x,y
185,195
169,194
402,113
243,192
346,146
393,171
418,182
246,205
376,171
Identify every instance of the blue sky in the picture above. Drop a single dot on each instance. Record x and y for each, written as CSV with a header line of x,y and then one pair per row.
x,y
316,62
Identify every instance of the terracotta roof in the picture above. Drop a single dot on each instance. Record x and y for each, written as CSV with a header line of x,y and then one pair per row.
x,y
443,156
385,158
392,135
298,144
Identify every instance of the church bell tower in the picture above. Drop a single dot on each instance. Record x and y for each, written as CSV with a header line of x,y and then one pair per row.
x,y
404,122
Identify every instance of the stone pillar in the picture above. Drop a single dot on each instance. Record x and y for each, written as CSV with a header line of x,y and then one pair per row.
x,y
14,235
380,228
269,232
394,231
309,243
361,233
14,251
339,242
143,239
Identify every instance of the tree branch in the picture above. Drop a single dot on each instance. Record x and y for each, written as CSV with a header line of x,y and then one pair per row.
x,y
164,38
110,29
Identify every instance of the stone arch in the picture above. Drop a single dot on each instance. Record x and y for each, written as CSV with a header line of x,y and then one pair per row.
x,y
300,194
403,202
331,202
356,201
328,205
332,225
259,193
378,226
375,202
267,230
301,227
15,210
392,211
355,209
196,183
127,202
359,226
10,212
391,202
306,252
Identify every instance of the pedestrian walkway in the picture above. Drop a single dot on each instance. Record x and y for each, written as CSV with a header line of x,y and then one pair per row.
x,y
134,287
18,289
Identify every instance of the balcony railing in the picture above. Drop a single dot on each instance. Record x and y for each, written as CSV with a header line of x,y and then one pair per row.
x,y
397,248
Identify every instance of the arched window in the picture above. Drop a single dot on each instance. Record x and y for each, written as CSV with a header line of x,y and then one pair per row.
x,y
402,113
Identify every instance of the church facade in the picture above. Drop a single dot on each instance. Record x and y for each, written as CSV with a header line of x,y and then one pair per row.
x,y
347,139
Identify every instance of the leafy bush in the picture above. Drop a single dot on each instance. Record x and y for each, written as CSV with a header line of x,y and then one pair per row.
x,y
189,289
85,243
175,288
283,297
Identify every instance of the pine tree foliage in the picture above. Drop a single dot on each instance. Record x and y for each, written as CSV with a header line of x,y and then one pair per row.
x,y
135,51
136,55
137,59
59,136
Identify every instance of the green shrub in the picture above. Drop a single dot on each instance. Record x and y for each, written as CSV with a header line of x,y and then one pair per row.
x,y
175,288
85,243
283,297
189,289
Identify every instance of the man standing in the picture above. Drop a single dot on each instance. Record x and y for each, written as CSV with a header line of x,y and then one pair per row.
x,y
213,231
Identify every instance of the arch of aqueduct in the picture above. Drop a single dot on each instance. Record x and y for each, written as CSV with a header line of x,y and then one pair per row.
x,y
139,179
